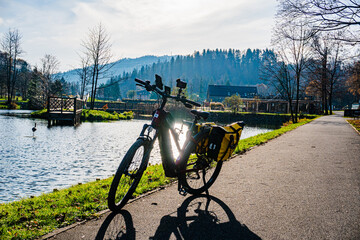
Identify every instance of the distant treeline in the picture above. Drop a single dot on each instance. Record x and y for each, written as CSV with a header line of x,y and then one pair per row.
x,y
227,67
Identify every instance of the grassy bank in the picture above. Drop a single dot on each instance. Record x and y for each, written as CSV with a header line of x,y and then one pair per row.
x,y
248,143
33,217
95,115
355,123
7,106
91,115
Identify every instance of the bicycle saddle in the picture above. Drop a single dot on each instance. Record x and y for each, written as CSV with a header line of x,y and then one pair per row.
x,y
202,114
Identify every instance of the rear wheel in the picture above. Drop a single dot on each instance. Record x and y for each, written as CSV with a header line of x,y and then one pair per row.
x,y
197,171
128,175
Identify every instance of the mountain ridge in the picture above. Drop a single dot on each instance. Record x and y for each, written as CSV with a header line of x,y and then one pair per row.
x,y
120,66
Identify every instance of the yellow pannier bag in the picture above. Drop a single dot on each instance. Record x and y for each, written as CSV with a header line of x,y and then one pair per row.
x,y
222,140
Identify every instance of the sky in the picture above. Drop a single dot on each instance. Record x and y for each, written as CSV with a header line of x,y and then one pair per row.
x,y
136,27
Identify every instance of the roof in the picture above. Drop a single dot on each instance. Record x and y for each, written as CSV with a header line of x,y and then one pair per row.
x,y
226,91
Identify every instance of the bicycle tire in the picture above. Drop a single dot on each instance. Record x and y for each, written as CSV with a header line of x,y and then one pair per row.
x,y
128,175
197,176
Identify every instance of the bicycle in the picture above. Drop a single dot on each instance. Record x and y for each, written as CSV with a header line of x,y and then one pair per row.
x,y
195,173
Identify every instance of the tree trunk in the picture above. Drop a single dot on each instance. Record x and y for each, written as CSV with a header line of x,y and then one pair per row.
x,y
9,80
292,112
92,89
297,98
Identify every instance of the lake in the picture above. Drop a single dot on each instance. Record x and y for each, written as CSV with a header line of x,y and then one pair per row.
x,y
61,156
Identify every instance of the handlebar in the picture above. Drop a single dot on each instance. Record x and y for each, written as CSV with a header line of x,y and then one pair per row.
x,y
139,81
149,87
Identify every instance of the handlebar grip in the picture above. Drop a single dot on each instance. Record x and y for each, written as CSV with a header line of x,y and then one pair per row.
x,y
139,81
194,103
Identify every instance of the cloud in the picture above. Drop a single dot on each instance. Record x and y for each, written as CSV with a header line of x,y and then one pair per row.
x,y
138,27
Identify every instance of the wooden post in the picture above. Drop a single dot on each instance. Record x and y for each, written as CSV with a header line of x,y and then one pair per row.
x,y
48,112
75,111
61,105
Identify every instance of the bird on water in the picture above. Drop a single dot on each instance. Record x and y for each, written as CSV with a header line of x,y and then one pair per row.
x,y
34,129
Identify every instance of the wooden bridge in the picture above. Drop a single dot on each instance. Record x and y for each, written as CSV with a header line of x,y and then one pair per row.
x,y
64,111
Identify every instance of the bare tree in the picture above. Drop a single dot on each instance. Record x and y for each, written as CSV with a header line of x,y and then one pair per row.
x,y
49,66
98,48
11,46
327,15
291,40
353,80
84,73
278,74
325,69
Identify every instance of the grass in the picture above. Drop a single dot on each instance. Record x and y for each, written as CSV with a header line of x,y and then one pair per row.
x,y
92,115
248,143
39,114
13,105
355,123
95,115
300,115
33,217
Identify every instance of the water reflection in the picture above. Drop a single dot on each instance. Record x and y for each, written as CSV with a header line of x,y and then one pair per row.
x,y
62,156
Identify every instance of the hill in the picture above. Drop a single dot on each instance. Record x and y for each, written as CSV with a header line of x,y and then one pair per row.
x,y
120,67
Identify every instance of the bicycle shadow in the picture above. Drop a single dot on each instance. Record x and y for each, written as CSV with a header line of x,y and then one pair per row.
x,y
117,226
203,217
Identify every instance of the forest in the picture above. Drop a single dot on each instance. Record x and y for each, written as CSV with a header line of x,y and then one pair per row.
x,y
222,67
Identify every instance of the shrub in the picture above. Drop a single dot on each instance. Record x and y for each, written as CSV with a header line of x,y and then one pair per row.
x,y
217,106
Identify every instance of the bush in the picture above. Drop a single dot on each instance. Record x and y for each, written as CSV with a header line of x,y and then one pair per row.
x,y
13,105
217,106
96,115
39,114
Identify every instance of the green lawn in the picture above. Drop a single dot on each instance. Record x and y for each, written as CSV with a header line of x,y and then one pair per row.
x,y
355,123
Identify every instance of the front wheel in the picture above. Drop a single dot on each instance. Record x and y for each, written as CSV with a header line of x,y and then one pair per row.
x,y
128,175
197,172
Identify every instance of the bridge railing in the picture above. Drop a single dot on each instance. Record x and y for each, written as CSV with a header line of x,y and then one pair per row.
x,y
64,109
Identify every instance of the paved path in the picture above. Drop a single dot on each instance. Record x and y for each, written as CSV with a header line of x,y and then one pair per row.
x,y
302,185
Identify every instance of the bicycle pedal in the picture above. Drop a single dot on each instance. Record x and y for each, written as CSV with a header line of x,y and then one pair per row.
x,y
182,191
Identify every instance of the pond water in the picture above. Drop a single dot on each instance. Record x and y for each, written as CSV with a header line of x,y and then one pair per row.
x,y
62,156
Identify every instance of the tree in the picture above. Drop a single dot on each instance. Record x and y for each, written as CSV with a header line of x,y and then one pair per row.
x,y
327,15
11,46
35,91
98,49
234,102
291,39
24,76
353,81
325,69
84,73
131,94
278,74
56,87
49,66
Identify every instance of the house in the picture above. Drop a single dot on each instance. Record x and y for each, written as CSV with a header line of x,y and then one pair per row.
x,y
217,93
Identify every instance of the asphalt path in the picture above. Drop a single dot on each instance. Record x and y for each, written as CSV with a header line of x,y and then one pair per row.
x,y
304,184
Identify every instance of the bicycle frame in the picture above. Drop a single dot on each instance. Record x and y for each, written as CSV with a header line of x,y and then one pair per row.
x,y
162,123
